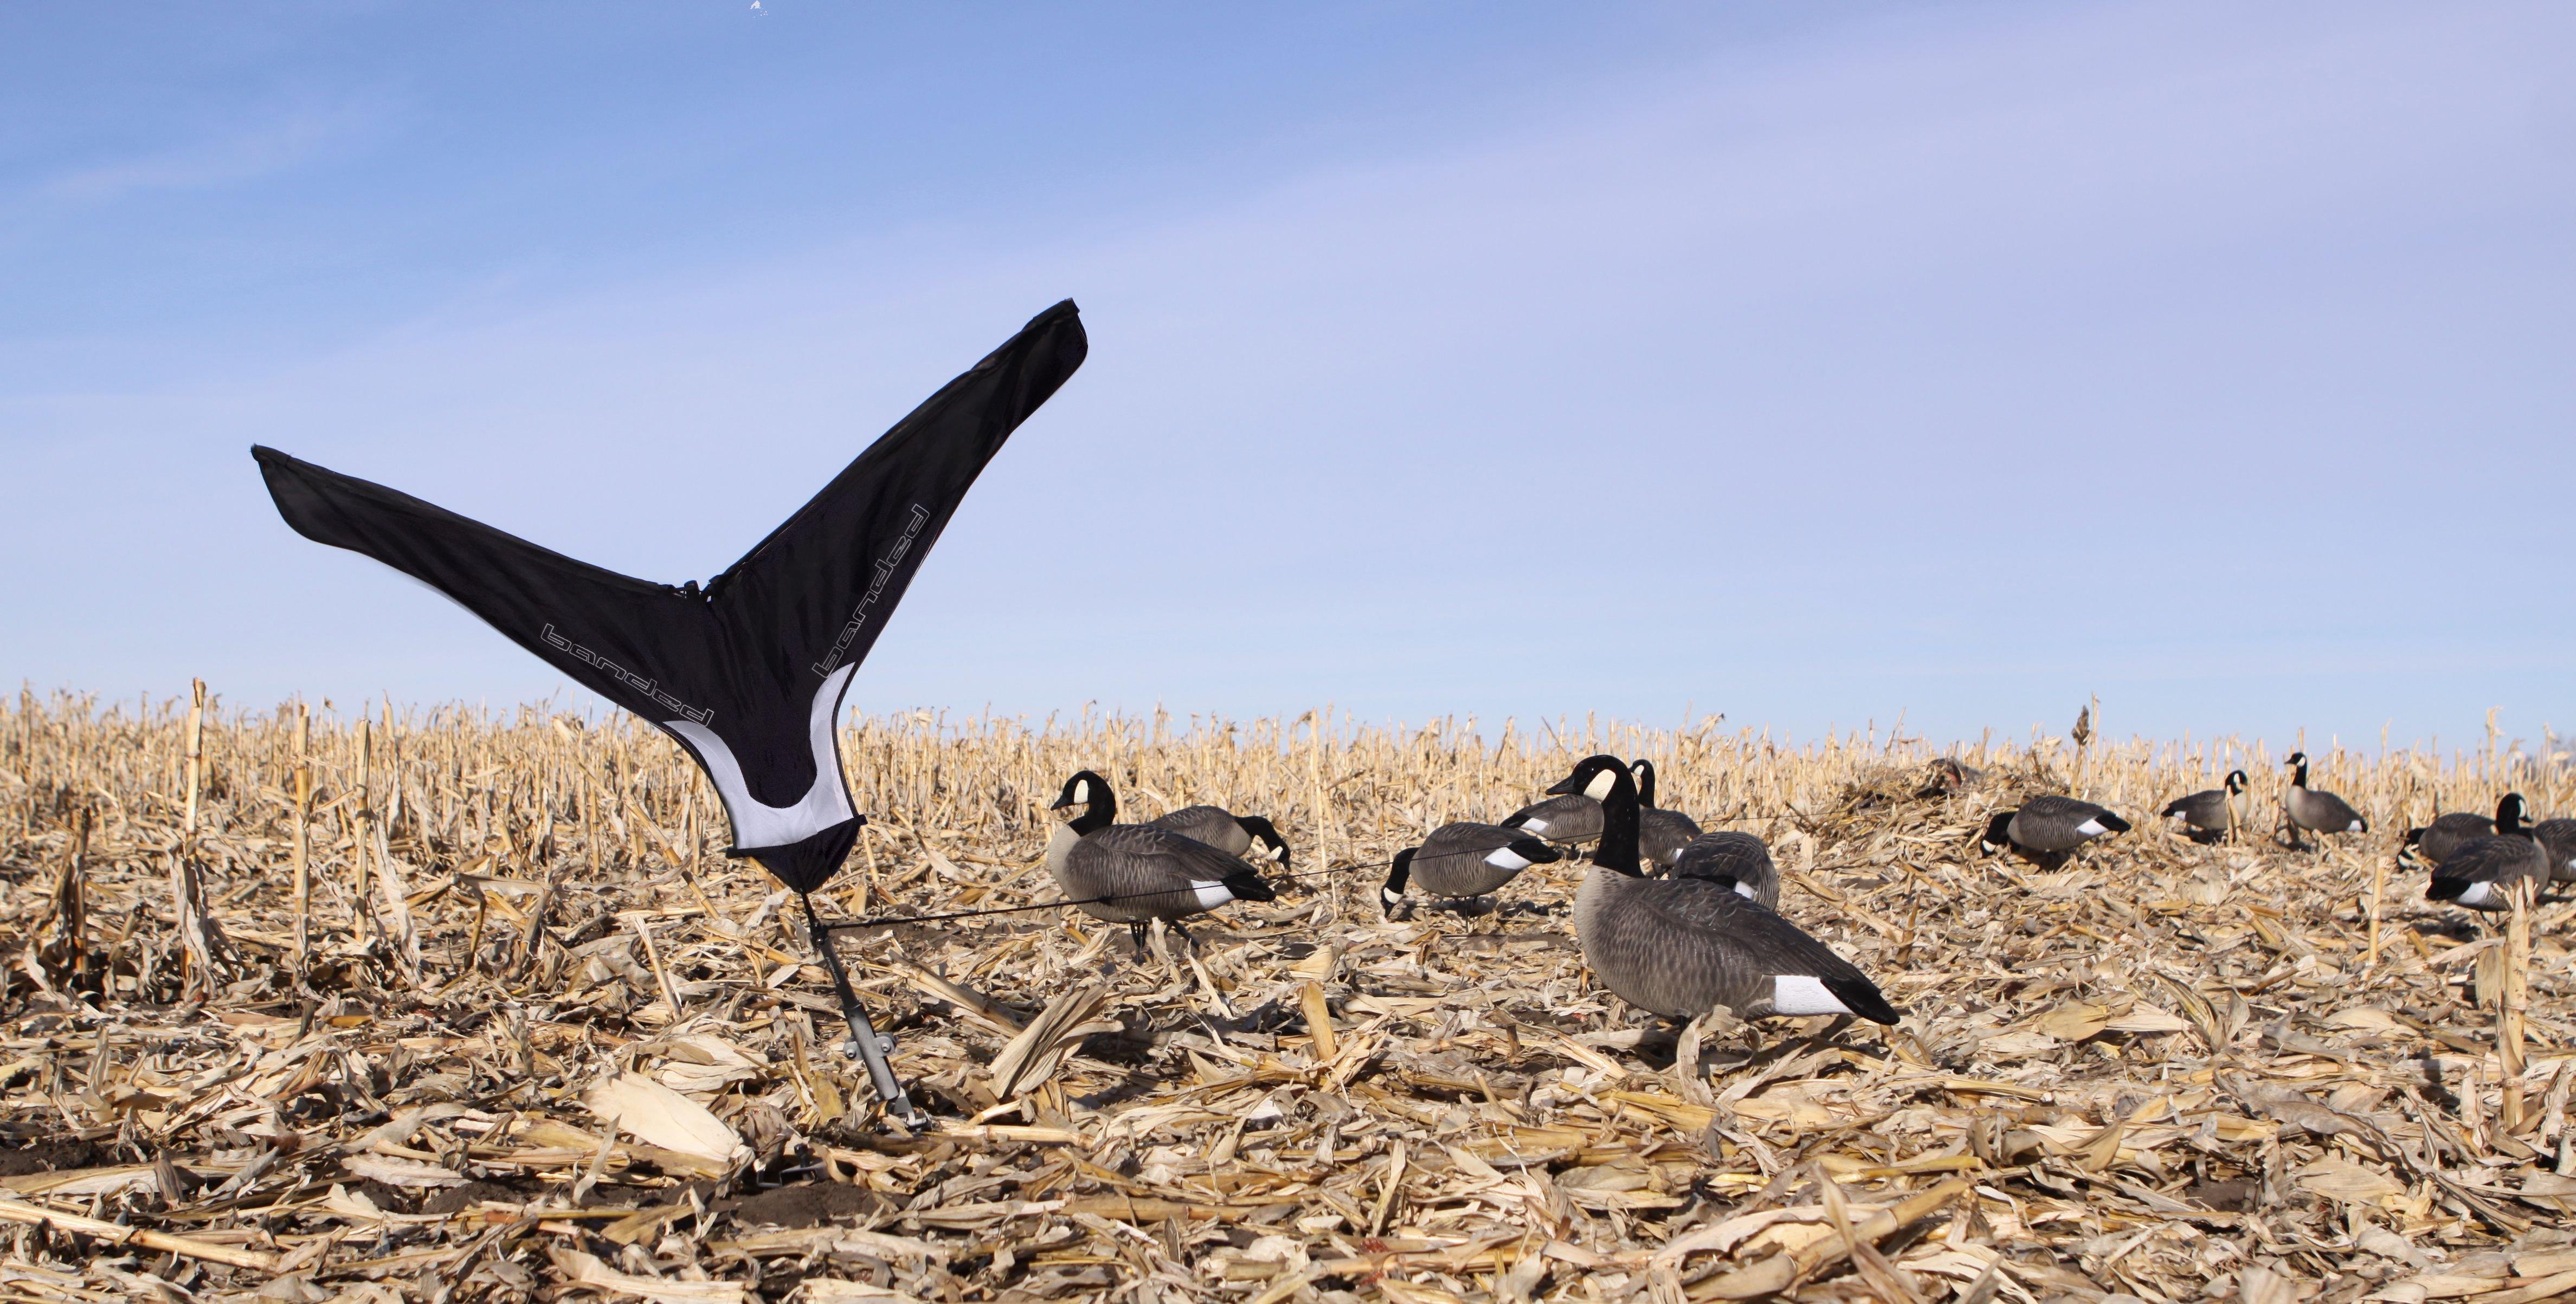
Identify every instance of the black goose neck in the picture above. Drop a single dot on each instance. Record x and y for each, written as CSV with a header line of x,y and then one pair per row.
x,y
2299,778
1645,771
1618,849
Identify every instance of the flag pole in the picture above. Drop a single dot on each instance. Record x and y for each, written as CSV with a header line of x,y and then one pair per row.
x,y
863,1035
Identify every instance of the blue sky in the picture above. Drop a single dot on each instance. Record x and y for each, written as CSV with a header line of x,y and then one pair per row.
x,y
1813,364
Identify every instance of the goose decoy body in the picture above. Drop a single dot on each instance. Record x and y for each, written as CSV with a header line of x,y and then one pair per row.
x,y
1568,819
1739,859
2558,838
1681,946
1464,860
2314,811
2212,813
1227,832
2440,840
2478,872
1144,873
2050,825
1661,834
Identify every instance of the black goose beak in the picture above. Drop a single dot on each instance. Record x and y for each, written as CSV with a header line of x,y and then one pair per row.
x,y
1567,786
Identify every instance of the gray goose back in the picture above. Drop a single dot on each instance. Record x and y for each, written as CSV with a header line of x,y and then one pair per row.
x,y
1155,873
1737,858
1469,860
2442,839
1233,834
1678,946
1566,820
2052,823
2478,874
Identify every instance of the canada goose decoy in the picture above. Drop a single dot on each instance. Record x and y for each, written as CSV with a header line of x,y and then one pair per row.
x,y
2558,838
1568,819
1147,873
1464,860
2049,826
2477,873
1227,832
2209,815
1681,946
1661,834
2440,840
1740,859
2317,812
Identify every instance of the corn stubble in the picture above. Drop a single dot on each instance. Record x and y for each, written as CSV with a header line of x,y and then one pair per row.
x,y
473,1006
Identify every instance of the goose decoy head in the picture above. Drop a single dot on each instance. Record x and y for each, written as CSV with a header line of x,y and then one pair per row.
x,y
1595,777
1392,895
1091,792
1998,833
1266,837
2510,813
2235,782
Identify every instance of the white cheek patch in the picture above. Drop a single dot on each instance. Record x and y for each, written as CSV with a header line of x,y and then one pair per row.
x,y
1535,825
1211,895
2477,894
1745,890
1800,994
1601,785
1082,791
2091,828
1503,858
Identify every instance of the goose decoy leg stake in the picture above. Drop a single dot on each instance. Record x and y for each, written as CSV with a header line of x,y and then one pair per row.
x,y
865,1042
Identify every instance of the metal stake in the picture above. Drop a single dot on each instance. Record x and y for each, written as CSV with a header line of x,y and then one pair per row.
x,y
864,1041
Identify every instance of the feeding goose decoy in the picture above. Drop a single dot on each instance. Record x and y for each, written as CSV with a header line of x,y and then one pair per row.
x,y
1228,832
2211,814
1566,819
2479,872
1661,834
2050,826
2440,840
1681,946
2314,811
1145,873
1464,860
1739,859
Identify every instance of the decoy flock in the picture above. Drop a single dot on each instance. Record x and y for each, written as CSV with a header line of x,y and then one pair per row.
x,y
1340,1014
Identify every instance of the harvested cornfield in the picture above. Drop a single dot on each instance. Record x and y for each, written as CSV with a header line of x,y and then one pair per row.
x,y
474,1007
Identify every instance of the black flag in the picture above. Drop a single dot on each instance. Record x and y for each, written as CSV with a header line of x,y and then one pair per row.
x,y
748,672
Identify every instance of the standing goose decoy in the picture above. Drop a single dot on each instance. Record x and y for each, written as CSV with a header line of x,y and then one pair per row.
x,y
2442,839
1227,832
1738,859
2478,872
1464,860
1681,946
1661,834
2210,815
2314,811
1568,819
2050,826
1147,873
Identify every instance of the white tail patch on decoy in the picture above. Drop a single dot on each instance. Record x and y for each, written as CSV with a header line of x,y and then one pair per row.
x,y
1602,783
1797,993
1744,889
1211,895
1504,858
2477,894
2091,828
2354,827
1535,825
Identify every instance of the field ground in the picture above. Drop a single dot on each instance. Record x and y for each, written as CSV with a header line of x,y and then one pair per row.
x,y
569,1049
